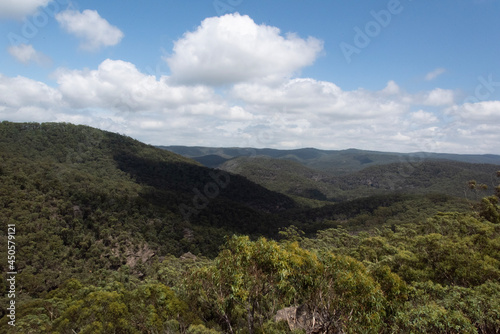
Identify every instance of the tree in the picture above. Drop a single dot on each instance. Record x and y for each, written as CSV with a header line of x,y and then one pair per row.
x,y
248,282
489,207
343,297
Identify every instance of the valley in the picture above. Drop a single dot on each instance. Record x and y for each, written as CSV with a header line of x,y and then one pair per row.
x,y
114,235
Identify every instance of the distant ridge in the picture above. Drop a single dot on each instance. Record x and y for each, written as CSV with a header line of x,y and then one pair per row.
x,y
336,176
337,161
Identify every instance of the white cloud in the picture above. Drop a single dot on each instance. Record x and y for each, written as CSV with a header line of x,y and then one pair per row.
x,y
434,74
148,108
18,9
118,85
151,124
21,92
26,54
401,137
475,129
88,25
391,88
315,113
438,97
484,112
298,113
233,48
264,102
423,117
238,113
320,98
23,99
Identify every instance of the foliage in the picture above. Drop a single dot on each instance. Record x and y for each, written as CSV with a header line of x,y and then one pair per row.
x,y
423,175
247,279
249,282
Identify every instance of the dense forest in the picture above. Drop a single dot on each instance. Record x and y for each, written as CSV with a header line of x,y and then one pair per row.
x,y
115,236
419,174
340,162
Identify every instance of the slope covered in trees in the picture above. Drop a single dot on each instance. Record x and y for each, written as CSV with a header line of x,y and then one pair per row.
x,y
439,276
331,161
415,177
104,246
86,201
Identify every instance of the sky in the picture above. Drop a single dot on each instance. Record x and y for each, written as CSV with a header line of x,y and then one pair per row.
x,y
388,75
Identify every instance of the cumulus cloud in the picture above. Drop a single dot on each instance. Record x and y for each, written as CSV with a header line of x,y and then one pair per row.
x,y
26,54
310,113
391,88
118,85
20,92
325,99
434,74
117,97
233,48
89,26
484,112
299,112
23,99
437,97
147,107
238,113
264,103
423,117
17,9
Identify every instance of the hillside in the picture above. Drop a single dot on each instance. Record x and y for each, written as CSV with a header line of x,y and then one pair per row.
x,y
331,161
429,176
99,200
425,177
284,176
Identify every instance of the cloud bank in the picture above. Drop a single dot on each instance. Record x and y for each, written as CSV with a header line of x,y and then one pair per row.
x,y
264,101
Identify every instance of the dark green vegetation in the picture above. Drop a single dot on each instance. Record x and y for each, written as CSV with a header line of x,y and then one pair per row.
x,y
308,175
417,177
338,162
106,229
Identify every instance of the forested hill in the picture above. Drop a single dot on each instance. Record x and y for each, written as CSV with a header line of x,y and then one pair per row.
x,y
332,161
82,197
422,177
82,147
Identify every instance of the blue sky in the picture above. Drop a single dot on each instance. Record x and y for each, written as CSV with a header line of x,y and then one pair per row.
x,y
386,75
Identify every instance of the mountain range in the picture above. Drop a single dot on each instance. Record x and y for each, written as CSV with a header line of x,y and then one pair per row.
x,y
337,161
337,176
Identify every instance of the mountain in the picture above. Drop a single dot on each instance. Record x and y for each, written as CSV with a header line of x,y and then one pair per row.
x,y
427,176
337,162
284,176
337,176
81,198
